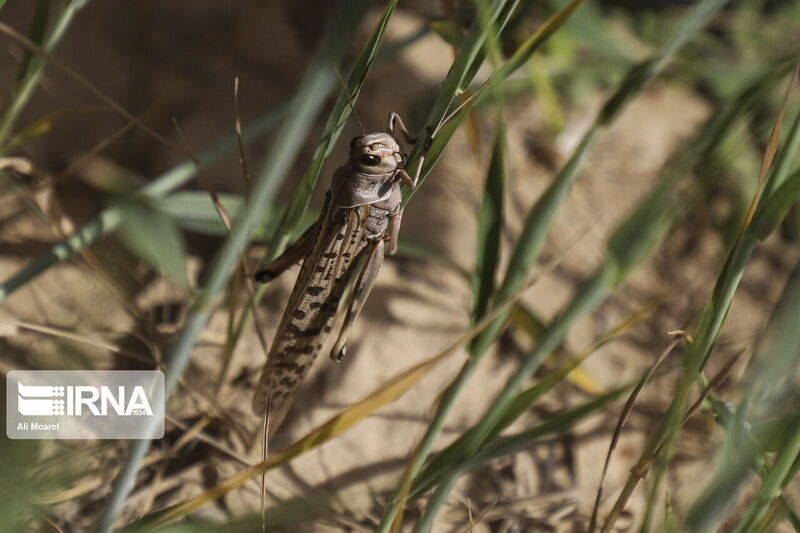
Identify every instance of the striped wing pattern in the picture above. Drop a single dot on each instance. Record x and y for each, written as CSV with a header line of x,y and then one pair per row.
x,y
312,307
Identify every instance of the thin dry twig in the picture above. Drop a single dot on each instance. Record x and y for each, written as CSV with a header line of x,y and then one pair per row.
x,y
640,469
86,84
237,127
623,418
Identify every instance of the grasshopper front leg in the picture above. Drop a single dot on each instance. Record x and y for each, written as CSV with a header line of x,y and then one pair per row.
x,y
364,283
408,180
395,127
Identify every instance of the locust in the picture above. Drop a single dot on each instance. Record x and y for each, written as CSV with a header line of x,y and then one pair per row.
x,y
341,253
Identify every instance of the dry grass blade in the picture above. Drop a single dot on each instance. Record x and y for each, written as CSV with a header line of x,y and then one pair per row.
x,y
393,517
639,471
755,226
383,395
96,149
264,455
243,271
775,134
349,99
237,127
757,427
83,339
438,466
87,485
772,148
629,247
626,411
215,199
252,297
524,319
196,432
45,124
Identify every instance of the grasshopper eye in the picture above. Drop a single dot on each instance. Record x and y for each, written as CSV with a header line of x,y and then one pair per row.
x,y
369,160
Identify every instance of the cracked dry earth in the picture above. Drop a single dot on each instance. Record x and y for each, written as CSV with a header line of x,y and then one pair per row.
x,y
417,308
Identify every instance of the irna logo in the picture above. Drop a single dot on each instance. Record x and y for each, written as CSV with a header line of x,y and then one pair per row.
x,y
85,404
77,400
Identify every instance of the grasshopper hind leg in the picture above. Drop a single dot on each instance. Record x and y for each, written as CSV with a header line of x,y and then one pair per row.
x,y
288,258
364,284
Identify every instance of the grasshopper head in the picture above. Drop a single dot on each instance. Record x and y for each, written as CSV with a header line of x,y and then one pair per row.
x,y
376,153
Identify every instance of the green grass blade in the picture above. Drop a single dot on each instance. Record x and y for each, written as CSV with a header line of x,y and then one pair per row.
x,y
772,210
18,489
36,34
497,20
560,423
784,160
589,296
537,226
195,211
434,152
416,250
776,359
525,399
710,324
448,457
742,452
490,225
308,100
469,57
591,26
539,219
514,63
742,101
301,197
35,69
535,41
709,137
463,69
284,516
152,235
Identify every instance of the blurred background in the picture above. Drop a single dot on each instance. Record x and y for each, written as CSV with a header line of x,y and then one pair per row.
x,y
624,154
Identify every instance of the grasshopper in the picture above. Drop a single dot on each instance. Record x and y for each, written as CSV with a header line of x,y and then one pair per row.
x,y
342,253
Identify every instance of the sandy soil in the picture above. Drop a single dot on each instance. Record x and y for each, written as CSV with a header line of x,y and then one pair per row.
x,y
178,59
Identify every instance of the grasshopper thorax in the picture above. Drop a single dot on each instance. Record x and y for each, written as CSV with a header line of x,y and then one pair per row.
x,y
377,154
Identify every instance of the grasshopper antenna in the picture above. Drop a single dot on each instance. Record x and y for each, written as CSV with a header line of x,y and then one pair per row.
x,y
349,100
